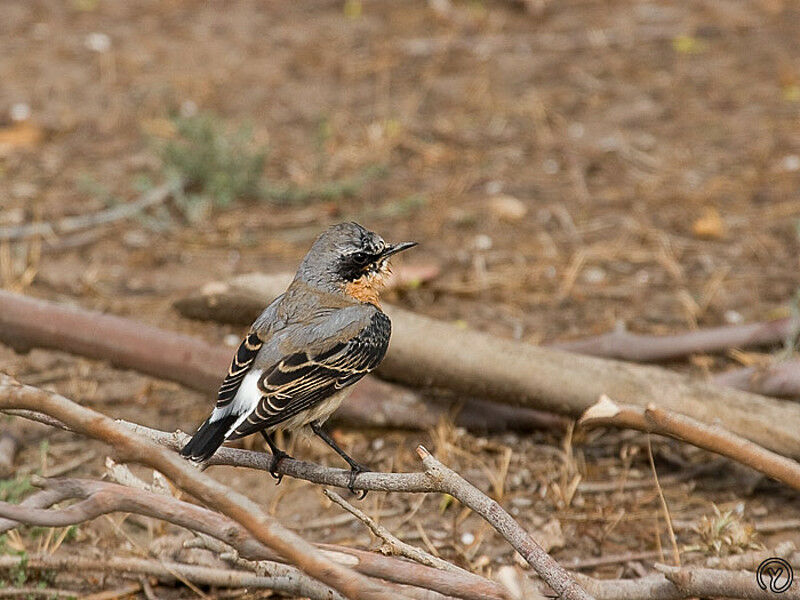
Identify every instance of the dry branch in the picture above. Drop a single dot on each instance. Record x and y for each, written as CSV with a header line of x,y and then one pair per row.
x,y
287,581
392,543
427,352
116,497
98,498
624,345
66,225
435,478
707,583
135,448
781,380
714,438
27,323
230,302
689,583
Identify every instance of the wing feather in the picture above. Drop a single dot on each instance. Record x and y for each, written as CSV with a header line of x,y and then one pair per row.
x,y
240,365
299,381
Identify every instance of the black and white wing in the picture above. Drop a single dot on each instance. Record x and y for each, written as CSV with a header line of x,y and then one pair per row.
x,y
240,365
301,380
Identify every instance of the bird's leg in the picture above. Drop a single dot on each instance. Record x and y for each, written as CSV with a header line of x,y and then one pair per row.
x,y
355,468
277,456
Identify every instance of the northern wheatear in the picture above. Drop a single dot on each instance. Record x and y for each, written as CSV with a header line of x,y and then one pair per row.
x,y
321,336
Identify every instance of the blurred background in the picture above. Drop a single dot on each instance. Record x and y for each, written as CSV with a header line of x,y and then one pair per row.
x,y
565,166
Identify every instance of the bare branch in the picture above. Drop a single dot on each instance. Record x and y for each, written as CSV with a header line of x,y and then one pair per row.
x,y
694,581
435,478
448,481
781,380
100,497
710,437
286,580
394,545
135,448
157,195
624,345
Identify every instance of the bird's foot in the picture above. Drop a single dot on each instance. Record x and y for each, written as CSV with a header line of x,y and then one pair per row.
x,y
277,457
355,469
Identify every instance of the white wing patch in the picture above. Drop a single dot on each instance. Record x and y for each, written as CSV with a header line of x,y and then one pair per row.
x,y
244,402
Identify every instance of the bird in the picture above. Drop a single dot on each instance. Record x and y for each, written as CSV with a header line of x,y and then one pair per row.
x,y
305,351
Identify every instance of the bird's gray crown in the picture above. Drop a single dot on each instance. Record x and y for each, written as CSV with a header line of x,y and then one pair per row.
x,y
339,255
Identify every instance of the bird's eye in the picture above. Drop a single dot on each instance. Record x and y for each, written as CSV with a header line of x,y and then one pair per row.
x,y
361,258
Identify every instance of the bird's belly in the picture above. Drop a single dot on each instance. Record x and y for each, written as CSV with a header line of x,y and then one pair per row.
x,y
319,413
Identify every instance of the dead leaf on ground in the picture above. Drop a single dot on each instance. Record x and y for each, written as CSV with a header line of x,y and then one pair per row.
x,y
710,226
19,136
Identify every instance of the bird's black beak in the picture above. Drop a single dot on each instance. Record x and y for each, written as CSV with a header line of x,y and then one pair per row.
x,y
395,248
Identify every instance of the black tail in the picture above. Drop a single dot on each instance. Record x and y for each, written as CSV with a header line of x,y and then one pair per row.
x,y
208,438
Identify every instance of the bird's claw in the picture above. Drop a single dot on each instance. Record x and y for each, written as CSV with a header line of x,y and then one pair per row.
x,y
354,471
277,457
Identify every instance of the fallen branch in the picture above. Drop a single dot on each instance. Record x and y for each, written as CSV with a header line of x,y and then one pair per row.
x,y
714,438
242,298
27,323
780,380
435,478
685,582
624,345
152,197
707,583
287,582
230,302
99,497
478,364
135,448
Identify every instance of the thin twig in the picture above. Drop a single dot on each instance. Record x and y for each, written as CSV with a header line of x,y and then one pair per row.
x,y
448,481
152,197
393,544
676,555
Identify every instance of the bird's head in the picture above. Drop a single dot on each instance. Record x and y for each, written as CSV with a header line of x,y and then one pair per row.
x,y
350,259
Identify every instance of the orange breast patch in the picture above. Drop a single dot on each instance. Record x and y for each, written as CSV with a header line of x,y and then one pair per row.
x,y
365,289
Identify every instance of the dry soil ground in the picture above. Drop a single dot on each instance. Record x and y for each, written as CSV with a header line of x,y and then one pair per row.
x,y
651,151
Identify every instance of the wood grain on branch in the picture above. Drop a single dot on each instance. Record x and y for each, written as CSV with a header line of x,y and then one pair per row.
x,y
427,352
30,323
135,448
654,419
